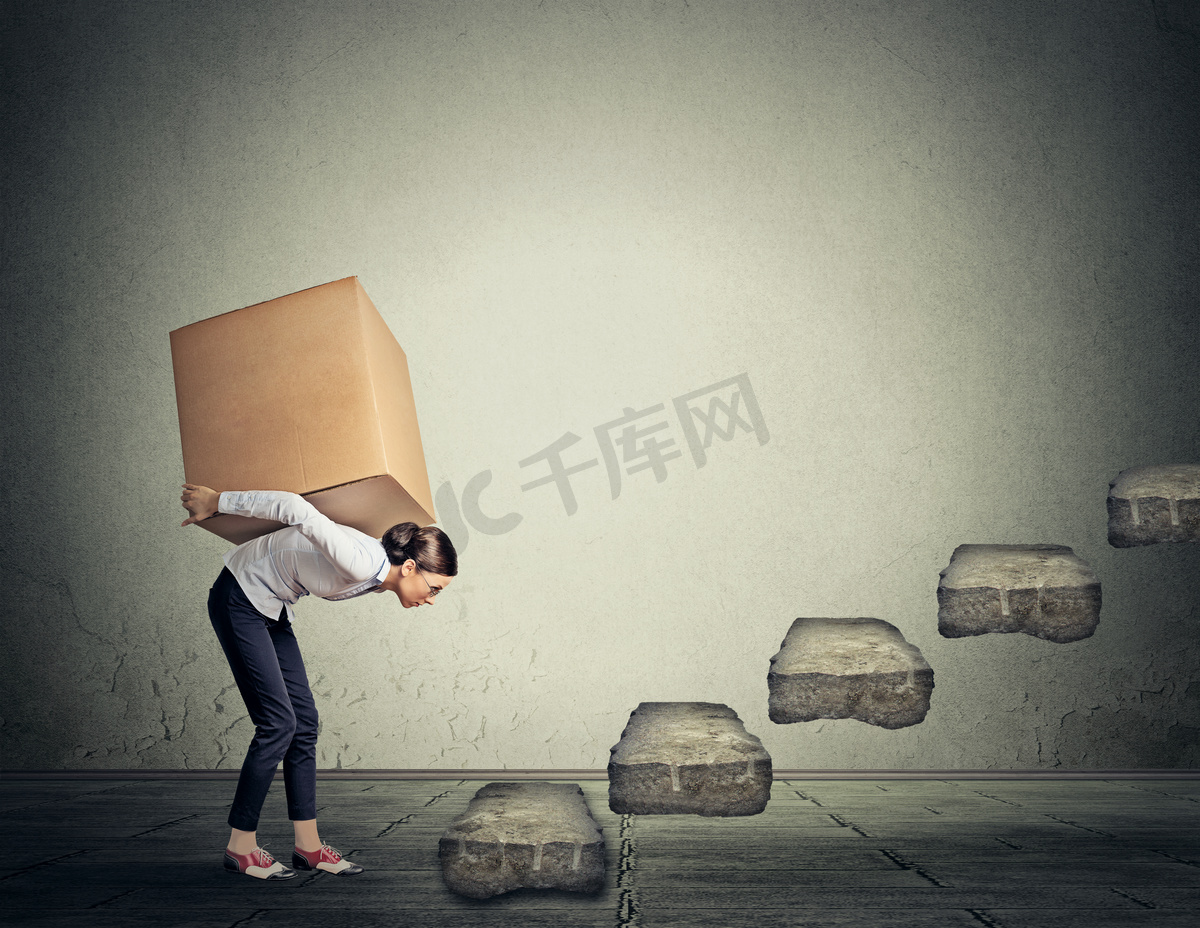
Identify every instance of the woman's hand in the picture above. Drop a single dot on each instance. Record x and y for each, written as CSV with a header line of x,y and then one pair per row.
x,y
201,502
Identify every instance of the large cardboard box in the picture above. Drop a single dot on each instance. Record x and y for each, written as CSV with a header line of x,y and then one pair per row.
x,y
308,393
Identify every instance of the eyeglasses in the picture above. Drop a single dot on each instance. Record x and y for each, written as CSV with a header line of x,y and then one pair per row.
x,y
432,591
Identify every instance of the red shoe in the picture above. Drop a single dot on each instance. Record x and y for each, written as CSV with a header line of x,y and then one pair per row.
x,y
258,863
326,859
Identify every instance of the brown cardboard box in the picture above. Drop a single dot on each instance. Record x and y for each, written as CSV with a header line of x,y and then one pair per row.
x,y
308,393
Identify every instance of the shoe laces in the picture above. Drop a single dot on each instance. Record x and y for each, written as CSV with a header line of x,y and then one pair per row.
x,y
332,853
261,857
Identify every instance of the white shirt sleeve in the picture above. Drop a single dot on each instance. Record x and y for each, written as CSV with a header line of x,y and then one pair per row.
x,y
344,552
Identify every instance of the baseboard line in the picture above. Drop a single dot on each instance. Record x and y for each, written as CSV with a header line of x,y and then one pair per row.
x,y
593,774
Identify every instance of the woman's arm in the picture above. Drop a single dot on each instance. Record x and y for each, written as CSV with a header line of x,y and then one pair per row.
x,y
348,554
201,502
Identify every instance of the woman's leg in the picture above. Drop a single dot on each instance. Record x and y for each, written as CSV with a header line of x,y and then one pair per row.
x,y
308,838
300,761
246,639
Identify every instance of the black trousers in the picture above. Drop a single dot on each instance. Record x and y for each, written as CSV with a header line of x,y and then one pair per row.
x,y
269,671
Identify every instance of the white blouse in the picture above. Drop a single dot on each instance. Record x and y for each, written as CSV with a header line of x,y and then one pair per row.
x,y
313,554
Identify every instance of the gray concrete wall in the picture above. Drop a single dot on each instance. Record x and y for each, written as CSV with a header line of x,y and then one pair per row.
x,y
951,246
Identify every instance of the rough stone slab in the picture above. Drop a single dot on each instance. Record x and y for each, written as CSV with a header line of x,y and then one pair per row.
x,y
853,668
528,835
1041,590
688,757
1154,504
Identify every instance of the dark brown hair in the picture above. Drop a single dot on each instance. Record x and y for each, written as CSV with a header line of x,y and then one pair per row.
x,y
429,547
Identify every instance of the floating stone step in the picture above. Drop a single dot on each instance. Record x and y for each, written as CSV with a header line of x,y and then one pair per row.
x,y
688,757
523,836
853,668
1154,504
1041,590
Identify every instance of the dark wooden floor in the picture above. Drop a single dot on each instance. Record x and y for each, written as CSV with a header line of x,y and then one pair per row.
x,y
1006,854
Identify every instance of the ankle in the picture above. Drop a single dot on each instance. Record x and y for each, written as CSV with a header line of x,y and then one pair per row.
x,y
242,842
307,835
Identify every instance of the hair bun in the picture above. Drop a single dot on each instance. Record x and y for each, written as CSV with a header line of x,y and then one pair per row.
x,y
429,547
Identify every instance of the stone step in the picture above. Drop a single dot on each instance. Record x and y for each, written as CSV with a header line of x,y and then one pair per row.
x,y
688,758
1154,504
528,835
1042,590
848,668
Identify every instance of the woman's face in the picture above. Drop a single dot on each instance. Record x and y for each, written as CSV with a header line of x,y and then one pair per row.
x,y
418,587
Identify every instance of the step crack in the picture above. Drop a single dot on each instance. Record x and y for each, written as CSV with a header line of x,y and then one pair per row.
x,y
173,822
1134,899
627,898
40,864
1103,834
847,824
1179,860
128,892
252,917
401,821
903,864
994,798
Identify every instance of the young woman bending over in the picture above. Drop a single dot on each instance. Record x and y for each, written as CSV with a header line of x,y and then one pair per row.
x,y
250,606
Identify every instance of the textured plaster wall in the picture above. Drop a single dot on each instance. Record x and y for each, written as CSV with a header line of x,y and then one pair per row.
x,y
952,246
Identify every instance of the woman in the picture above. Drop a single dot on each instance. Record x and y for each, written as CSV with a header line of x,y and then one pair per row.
x,y
250,606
